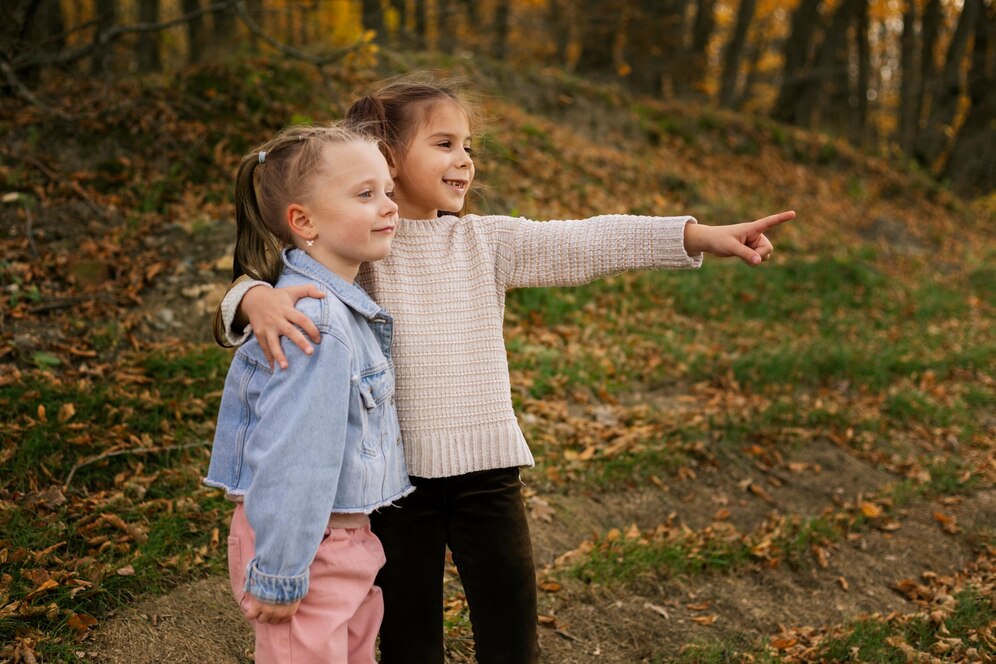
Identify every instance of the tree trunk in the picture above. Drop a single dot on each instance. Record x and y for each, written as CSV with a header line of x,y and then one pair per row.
x,y
756,50
106,16
373,18
557,22
908,104
195,31
932,141
446,26
148,43
600,28
859,125
648,46
972,164
698,55
421,23
799,50
30,25
832,95
222,27
499,44
734,51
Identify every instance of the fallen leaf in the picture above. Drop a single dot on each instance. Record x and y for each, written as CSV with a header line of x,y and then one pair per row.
x,y
81,622
540,509
549,586
705,620
871,510
701,606
66,412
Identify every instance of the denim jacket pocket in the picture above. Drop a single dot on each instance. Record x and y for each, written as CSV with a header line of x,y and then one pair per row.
x,y
376,390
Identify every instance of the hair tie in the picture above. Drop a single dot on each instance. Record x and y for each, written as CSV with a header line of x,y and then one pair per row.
x,y
262,156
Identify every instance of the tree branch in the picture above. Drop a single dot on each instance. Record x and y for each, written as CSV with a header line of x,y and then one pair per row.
x,y
24,94
35,59
290,51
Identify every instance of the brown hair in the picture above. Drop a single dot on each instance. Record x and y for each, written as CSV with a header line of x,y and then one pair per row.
x,y
271,177
394,111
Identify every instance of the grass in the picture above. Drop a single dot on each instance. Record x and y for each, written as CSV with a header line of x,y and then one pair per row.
x,y
134,518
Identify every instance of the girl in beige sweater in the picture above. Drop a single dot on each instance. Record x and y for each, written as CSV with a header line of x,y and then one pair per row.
x,y
445,284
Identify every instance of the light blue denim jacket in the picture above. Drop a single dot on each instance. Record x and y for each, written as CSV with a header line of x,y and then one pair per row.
x,y
321,436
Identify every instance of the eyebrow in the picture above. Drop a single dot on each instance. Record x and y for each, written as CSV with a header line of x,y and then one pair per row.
x,y
447,134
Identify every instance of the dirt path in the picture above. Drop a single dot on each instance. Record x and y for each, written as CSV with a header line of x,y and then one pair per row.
x,y
591,623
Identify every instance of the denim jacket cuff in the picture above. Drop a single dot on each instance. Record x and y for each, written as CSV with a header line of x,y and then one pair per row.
x,y
275,589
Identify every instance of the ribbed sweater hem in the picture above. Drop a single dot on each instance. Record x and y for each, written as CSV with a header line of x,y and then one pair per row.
x,y
434,453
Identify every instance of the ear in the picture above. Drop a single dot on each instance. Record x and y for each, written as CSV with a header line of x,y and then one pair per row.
x,y
299,222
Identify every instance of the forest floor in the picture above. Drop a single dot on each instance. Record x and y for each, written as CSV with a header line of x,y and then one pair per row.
x,y
793,463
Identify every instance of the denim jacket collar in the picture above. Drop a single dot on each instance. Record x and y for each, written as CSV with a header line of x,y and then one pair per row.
x,y
351,295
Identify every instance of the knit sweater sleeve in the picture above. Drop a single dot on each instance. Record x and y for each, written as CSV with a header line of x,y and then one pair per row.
x,y
569,253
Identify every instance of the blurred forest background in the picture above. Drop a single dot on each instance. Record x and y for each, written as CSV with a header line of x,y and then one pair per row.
x,y
914,78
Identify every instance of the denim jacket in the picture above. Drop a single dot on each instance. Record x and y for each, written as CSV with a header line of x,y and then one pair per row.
x,y
321,436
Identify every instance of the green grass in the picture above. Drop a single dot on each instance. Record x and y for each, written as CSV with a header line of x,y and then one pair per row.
x,y
135,517
868,640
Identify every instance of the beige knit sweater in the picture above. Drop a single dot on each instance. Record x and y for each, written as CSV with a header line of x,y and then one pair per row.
x,y
444,283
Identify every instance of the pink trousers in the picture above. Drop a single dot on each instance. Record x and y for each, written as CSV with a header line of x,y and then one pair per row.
x,y
338,619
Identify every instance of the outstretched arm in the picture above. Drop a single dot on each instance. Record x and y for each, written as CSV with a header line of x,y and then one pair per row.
x,y
745,241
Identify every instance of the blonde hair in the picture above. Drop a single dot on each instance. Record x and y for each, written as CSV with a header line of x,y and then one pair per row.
x,y
271,177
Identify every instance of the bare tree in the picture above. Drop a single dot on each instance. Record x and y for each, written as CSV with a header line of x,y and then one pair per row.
x,y
734,51
372,17
196,34
972,164
106,16
799,53
932,141
859,123
698,56
147,49
600,26
502,22
908,102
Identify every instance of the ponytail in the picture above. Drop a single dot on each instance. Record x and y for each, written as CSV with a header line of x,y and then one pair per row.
x,y
271,177
257,246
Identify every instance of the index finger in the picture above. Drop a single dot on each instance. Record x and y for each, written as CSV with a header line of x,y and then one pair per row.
x,y
765,223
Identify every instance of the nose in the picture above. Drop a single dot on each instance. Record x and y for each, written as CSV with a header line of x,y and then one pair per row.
x,y
390,207
464,160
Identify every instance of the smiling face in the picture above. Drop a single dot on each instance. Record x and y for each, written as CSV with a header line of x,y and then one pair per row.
x,y
436,170
350,215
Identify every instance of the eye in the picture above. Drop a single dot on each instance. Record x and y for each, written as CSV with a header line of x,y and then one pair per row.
x,y
366,194
390,194
469,150
445,144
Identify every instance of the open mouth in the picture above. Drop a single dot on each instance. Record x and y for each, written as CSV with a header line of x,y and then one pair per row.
x,y
457,184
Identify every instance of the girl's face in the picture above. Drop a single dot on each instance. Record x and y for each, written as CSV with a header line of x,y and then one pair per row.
x,y
436,169
350,215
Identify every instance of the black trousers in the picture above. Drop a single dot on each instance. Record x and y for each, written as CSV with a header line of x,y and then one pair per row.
x,y
481,518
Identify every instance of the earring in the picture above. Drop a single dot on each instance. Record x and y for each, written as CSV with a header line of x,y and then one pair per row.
x,y
310,243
